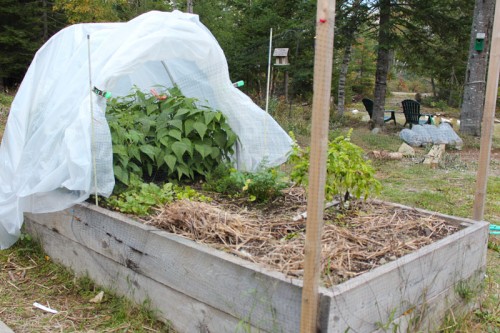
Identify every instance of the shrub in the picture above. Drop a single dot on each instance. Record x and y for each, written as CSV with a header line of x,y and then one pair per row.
x,y
348,173
160,137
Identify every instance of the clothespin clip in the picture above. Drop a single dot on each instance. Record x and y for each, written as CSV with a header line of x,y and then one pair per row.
x,y
102,93
239,84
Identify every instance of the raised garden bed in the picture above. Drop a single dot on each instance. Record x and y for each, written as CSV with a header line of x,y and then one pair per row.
x,y
201,289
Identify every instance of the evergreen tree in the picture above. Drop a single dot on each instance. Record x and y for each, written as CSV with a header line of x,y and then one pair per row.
x,y
242,28
435,44
20,37
24,26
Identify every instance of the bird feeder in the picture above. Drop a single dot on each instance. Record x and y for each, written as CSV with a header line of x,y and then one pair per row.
x,y
281,55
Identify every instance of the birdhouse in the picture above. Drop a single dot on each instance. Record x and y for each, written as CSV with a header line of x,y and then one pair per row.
x,y
281,57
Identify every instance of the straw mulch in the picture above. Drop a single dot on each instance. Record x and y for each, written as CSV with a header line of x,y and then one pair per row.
x,y
354,241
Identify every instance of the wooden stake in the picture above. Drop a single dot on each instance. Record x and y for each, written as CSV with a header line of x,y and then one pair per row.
x,y
488,118
317,168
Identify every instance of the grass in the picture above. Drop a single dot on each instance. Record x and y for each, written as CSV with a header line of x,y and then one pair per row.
x,y
27,275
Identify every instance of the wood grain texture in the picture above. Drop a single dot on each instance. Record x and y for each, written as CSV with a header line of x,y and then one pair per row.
x,y
187,314
323,55
360,303
268,299
204,284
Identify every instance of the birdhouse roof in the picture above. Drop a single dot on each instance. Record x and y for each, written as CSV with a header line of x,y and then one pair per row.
x,y
283,52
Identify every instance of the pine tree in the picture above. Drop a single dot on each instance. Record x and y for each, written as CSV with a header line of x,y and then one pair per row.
x,y
20,37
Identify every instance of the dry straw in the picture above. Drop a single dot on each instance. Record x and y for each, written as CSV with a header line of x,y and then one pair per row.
x,y
354,241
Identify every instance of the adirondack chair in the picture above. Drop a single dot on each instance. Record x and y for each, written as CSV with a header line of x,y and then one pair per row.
x,y
368,103
411,110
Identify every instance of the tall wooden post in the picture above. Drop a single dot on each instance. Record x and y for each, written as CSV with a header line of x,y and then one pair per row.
x,y
488,118
323,56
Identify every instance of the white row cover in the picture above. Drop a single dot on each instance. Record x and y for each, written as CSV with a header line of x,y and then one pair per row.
x,y
51,143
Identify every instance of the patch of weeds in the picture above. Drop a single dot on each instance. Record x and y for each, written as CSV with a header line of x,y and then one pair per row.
x,y
261,186
465,290
489,317
453,162
5,99
140,198
493,204
372,141
452,324
295,118
471,141
494,244
389,325
345,121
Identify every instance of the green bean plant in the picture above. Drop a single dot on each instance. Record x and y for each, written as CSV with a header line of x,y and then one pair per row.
x,y
160,137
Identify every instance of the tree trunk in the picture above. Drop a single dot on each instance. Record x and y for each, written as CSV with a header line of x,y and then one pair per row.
x,y
471,112
433,84
383,57
190,6
45,22
342,79
452,84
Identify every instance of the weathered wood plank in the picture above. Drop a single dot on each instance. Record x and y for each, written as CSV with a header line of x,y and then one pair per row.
x,y
242,289
265,298
323,63
428,316
190,315
360,303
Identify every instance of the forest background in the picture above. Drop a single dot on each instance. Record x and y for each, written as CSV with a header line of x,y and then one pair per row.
x,y
420,46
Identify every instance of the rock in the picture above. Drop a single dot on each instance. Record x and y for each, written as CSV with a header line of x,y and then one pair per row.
x,y
376,130
406,150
